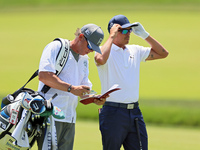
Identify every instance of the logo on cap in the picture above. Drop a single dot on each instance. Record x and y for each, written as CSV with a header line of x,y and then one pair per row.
x,y
126,20
99,42
87,32
111,24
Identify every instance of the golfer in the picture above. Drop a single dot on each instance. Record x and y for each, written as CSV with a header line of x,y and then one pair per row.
x,y
71,82
119,64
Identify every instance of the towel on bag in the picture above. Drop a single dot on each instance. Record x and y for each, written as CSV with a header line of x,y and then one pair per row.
x,y
19,133
21,136
50,137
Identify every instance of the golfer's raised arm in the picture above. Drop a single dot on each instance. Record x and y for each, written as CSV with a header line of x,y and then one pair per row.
x,y
101,59
157,50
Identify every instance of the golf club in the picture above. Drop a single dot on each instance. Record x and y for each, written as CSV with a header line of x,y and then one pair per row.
x,y
138,132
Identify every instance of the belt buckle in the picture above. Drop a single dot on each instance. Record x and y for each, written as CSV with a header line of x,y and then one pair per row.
x,y
130,106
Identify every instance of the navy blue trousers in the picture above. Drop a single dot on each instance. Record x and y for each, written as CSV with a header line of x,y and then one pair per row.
x,y
117,126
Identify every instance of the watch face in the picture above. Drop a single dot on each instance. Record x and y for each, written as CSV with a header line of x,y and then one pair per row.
x,y
69,89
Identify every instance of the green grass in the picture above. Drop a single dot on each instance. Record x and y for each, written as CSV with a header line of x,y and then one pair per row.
x,y
160,112
169,89
88,137
24,35
165,84
54,2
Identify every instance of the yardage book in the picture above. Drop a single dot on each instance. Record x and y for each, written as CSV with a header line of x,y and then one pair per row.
x,y
90,98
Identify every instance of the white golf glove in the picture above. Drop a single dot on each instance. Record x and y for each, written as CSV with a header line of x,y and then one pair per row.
x,y
140,31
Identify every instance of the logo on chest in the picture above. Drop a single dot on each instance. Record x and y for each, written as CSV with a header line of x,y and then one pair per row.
x,y
131,56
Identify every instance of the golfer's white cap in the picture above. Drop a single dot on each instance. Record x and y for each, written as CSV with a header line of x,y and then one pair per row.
x,y
94,36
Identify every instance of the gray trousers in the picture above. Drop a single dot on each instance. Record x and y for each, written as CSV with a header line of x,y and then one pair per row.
x,y
65,136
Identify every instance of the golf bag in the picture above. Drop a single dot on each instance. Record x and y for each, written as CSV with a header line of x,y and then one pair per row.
x,y
22,121
25,113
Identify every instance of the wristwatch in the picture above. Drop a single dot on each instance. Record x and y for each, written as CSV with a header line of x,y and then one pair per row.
x,y
69,88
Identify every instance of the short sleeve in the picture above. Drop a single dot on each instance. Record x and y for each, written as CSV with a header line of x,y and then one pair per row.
x,y
48,58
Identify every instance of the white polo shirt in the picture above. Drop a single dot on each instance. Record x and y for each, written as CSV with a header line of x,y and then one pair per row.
x,y
75,73
122,68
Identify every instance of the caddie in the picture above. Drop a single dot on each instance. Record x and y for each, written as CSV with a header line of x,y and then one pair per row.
x,y
72,81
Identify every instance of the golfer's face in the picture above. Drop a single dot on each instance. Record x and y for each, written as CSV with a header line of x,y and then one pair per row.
x,y
124,35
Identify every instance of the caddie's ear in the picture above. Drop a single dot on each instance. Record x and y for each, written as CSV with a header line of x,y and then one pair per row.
x,y
81,36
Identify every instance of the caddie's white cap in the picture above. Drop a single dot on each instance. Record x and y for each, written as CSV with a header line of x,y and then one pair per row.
x,y
94,36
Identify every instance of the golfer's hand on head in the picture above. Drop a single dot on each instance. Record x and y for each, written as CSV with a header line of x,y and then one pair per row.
x,y
114,30
80,90
140,31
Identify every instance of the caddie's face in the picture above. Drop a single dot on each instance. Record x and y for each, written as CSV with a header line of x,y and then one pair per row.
x,y
84,46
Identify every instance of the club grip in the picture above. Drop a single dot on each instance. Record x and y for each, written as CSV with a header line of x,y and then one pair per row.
x,y
54,96
7,100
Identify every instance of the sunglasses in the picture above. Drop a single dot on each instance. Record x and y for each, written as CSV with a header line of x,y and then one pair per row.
x,y
125,31
88,46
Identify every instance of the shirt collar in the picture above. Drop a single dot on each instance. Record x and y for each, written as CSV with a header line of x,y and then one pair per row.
x,y
117,48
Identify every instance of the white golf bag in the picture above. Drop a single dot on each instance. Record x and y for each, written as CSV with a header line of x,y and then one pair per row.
x,y
25,113
22,121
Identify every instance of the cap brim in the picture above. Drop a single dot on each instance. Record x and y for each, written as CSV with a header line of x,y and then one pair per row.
x,y
129,25
94,47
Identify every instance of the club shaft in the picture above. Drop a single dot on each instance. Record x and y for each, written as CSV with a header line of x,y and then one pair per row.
x,y
138,132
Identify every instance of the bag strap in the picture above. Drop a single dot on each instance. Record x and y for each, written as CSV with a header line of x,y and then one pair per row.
x,y
35,74
62,56
61,60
